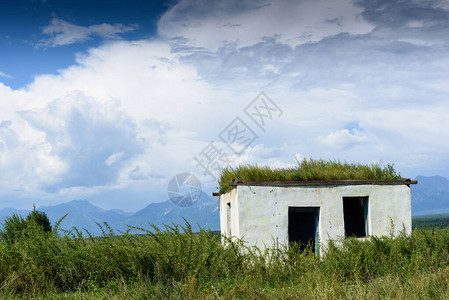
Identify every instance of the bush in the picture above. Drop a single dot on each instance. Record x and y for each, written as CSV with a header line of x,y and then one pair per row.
x,y
40,218
16,226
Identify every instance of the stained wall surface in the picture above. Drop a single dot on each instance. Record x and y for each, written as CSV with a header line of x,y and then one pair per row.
x,y
259,214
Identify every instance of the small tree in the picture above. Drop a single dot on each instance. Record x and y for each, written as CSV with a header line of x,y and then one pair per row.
x,y
40,218
16,226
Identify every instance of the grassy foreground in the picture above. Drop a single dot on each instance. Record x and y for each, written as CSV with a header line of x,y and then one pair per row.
x,y
176,263
308,170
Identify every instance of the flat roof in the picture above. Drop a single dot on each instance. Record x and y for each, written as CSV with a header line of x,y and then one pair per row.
x,y
405,181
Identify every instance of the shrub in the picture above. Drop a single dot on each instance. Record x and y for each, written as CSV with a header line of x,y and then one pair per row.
x,y
16,226
40,218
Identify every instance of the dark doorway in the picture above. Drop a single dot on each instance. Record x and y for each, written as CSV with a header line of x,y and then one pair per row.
x,y
355,210
303,226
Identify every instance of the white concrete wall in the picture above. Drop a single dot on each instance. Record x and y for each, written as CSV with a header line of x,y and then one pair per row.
x,y
260,213
230,197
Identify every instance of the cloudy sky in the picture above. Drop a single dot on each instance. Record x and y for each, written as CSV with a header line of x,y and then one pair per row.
x,y
108,100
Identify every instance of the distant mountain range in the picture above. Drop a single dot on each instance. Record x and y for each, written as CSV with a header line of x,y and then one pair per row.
x,y
429,196
84,216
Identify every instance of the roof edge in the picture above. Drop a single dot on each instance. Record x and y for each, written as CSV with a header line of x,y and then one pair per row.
x,y
405,181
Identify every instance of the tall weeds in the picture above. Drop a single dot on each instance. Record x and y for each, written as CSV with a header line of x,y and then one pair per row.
x,y
177,262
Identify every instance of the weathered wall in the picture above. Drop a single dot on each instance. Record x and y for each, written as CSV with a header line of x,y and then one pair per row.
x,y
230,197
260,213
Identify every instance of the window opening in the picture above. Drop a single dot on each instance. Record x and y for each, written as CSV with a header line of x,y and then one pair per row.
x,y
355,210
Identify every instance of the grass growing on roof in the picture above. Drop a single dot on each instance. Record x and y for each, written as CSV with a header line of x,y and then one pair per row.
x,y
308,170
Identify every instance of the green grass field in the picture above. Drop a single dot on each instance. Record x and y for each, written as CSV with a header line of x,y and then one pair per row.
x,y
431,222
178,263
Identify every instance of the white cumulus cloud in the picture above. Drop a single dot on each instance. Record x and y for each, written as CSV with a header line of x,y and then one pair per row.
x,y
94,140
129,115
343,139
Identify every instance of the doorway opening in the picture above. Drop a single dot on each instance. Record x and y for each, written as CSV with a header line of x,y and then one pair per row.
x,y
303,227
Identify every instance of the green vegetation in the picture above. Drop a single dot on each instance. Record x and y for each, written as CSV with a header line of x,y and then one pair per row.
x,y
40,218
178,263
308,170
431,222
14,227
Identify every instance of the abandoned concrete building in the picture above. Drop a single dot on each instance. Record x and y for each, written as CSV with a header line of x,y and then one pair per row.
x,y
270,214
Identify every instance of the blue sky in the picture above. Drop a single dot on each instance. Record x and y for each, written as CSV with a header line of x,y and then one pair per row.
x,y
29,49
108,100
